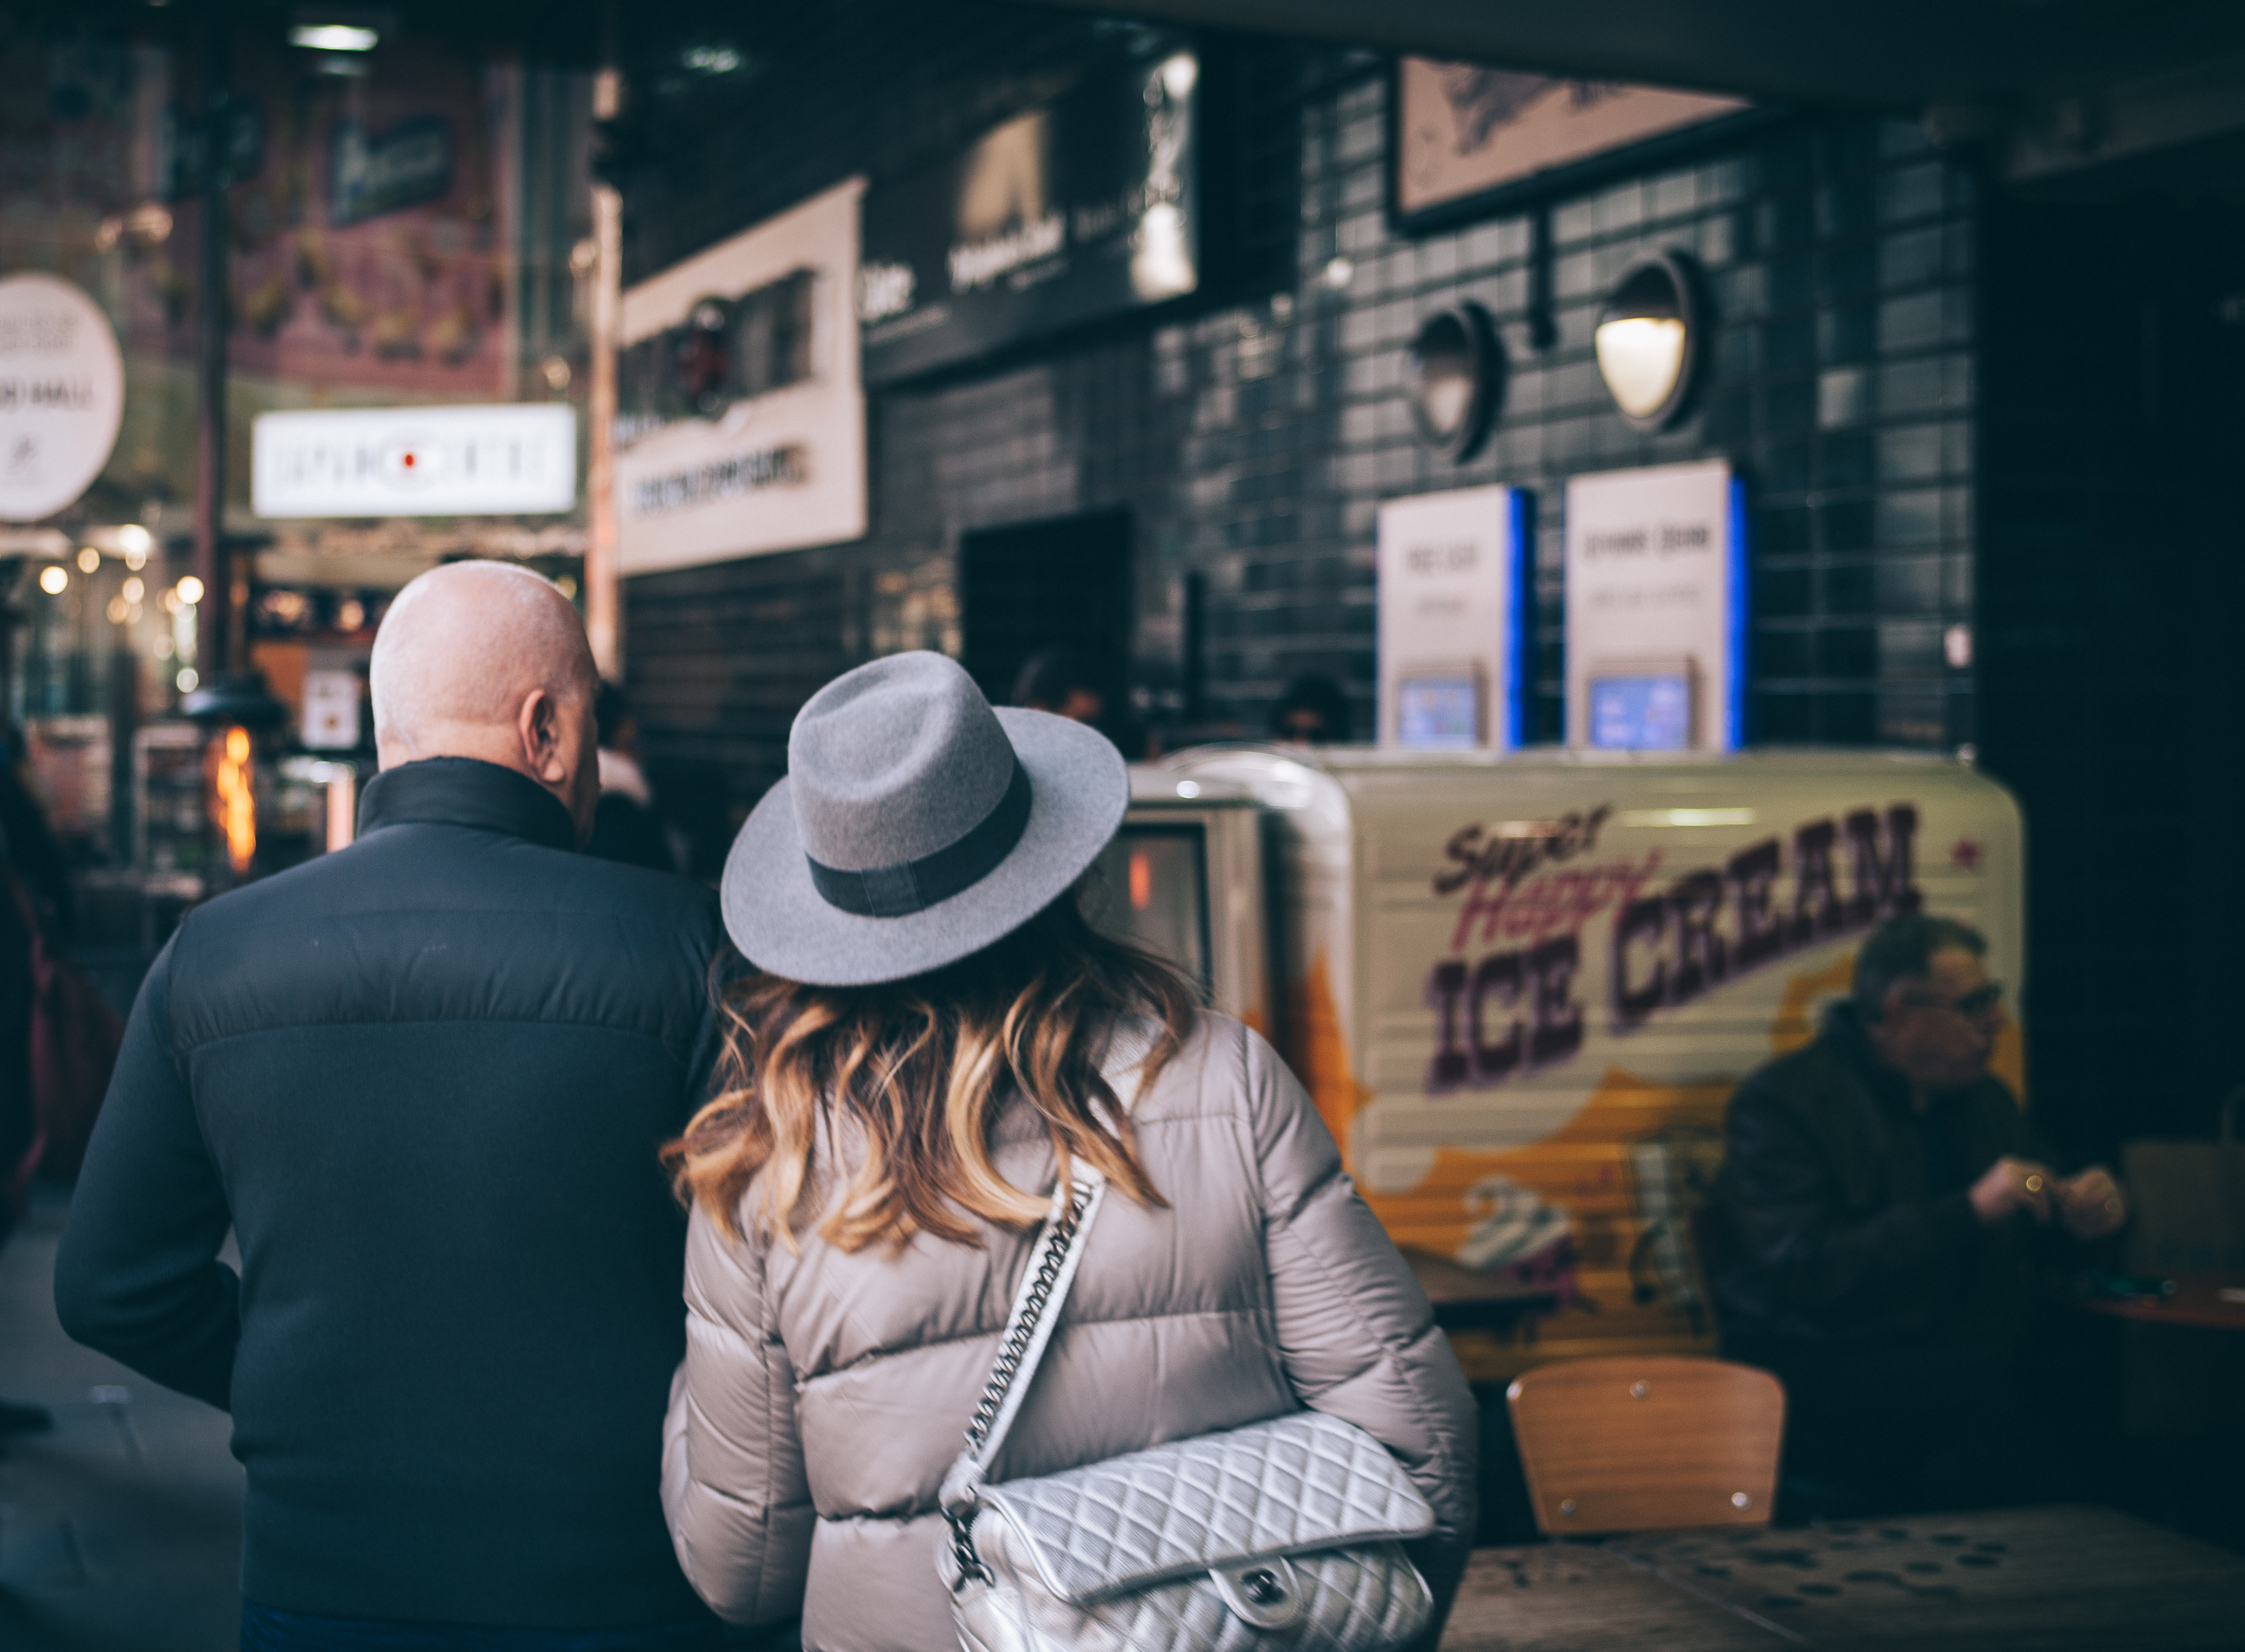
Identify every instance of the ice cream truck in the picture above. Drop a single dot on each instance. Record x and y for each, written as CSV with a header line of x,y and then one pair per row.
x,y
1521,987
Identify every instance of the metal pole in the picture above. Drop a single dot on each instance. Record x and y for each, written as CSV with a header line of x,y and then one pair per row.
x,y
210,351
603,592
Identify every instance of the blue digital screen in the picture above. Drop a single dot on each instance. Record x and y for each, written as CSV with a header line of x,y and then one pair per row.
x,y
1438,713
1641,714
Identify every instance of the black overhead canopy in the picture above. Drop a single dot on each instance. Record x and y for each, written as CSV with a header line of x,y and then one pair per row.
x,y
1896,54
2061,94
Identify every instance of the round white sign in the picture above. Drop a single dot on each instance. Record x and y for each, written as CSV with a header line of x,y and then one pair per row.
x,y
62,394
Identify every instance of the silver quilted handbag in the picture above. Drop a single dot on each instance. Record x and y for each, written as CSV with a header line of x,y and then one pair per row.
x,y
1283,1535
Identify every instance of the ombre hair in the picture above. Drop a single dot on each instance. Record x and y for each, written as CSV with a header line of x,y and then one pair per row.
x,y
915,1070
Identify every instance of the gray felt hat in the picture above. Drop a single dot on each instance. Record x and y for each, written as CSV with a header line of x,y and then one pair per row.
x,y
916,826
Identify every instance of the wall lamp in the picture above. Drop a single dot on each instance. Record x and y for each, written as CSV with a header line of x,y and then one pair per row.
x,y
1457,380
1649,343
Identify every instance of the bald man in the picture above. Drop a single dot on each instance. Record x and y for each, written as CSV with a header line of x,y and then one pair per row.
x,y
424,1080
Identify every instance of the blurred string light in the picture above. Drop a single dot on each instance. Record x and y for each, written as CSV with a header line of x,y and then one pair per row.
x,y
54,580
188,680
89,560
133,590
190,590
136,541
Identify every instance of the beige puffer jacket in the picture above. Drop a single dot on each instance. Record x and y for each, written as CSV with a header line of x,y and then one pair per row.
x,y
824,1395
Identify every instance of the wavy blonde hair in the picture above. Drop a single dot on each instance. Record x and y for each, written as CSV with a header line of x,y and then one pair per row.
x,y
919,1066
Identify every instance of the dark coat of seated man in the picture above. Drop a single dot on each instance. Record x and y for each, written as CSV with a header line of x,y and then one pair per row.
x,y
1881,1206
424,1079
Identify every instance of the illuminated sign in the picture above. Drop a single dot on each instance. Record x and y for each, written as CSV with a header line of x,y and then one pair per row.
x,y
1087,207
513,459
369,175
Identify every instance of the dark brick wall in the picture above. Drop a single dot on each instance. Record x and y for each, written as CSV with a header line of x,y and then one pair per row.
x,y
1252,440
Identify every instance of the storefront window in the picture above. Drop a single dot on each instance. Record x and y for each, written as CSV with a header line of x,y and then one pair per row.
x,y
408,226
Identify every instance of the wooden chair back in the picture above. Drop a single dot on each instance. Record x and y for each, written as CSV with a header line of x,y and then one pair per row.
x,y
1640,1443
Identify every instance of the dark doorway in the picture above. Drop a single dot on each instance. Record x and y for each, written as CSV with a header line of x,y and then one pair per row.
x,y
1064,583
2111,574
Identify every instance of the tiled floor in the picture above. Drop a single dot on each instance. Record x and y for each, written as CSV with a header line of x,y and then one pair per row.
x,y
120,1531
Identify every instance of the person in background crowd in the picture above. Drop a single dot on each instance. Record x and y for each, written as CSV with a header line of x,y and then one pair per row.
x,y
1062,682
625,826
33,850
1880,1203
37,899
926,1041
18,1123
1312,711
1069,683
424,1080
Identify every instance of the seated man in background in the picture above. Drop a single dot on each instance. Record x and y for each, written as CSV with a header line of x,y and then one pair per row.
x,y
1874,1229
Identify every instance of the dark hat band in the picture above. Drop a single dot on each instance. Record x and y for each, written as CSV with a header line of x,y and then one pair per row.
x,y
913,886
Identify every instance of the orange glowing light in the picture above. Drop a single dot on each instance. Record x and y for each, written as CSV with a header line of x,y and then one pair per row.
x,y
1142,881
235,807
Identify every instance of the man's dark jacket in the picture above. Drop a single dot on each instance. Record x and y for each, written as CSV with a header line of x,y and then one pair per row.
x,y
1826,1228
424,1079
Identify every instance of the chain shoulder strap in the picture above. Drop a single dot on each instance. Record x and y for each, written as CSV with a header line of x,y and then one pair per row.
x,y
1021,1349
1032,1309
1028,1328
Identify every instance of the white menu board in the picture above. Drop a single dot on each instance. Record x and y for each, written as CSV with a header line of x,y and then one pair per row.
x,y
1656,609
1454,588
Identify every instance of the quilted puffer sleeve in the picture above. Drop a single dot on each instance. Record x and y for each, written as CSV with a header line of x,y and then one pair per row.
x,y
1355,1331
732,1486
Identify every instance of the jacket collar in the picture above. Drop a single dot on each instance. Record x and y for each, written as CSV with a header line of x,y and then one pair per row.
x,y
465,791
1843,1032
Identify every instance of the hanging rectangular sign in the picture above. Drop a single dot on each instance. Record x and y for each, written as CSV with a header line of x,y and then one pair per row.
x,y
511,459
1087,207
1656,609
741,420
1453,629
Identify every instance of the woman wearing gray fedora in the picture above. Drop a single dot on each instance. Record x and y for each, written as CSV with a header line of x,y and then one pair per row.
x,y
935,1044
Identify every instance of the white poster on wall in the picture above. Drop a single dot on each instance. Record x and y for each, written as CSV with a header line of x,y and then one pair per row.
x,y
62,394
1454,588
331,701
1656,609
741,423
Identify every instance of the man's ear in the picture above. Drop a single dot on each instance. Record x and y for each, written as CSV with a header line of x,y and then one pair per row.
x,y
538,725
